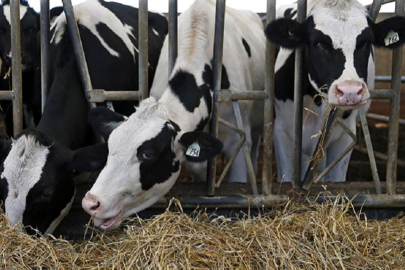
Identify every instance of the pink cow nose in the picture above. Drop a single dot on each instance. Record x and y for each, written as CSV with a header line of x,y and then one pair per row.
x,y
91,204
350,93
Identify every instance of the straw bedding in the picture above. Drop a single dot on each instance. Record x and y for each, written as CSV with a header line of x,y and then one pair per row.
x,y
310,236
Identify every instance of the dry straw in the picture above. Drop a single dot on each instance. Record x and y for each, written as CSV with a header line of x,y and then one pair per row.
x,y
295,236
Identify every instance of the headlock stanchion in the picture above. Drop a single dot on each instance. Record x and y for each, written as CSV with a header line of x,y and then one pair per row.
x,y
143,48
172,34
45,47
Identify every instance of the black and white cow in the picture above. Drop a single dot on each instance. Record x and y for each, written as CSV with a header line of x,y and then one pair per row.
x,y
36,183
30,52
147,149
338,37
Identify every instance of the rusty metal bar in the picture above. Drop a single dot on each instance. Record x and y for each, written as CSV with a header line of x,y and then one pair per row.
x,y
382,94
379,155
268,119
217,70
172,34
229,95
371,157
393,131
298,103
45,48
78,50
16,64
375,8
246,151
100,95
143,41
383,118
6,95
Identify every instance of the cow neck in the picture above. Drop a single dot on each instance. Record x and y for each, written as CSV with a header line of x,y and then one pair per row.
x,y
65,114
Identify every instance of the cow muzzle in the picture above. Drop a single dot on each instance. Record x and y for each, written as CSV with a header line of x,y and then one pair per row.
x,y
349,94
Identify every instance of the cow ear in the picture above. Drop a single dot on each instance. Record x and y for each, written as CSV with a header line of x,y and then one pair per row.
x,y
89,159
389,33
286,33
200,146
104,121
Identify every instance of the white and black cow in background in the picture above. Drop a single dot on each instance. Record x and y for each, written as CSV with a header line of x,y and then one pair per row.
x,y
36,183
146,150
338,37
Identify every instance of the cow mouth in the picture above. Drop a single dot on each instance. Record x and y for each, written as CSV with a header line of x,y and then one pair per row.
x,y
352,106
108,224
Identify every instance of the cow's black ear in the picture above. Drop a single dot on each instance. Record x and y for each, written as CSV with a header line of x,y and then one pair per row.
x,y
200,146
54,13
104,121
286,33
389,33
89,159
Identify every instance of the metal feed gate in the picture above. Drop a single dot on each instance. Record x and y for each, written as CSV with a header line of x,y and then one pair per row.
x,y
267,197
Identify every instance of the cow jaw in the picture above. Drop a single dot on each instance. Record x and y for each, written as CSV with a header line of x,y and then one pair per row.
x,y
108,224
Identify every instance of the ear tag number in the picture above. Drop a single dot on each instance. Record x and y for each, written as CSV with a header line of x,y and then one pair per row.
x,y
391,38
193,150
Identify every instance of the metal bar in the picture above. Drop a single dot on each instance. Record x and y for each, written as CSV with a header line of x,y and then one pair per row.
x,y
344,153
379,155
382,94
375,8
16,67
393,131
217,70
45,68
78,50
235,153
383,118
172,34
246,151
143,48
268,119
6,95
298,103
371,157
370,200
322,143
100,95
229,95
387,79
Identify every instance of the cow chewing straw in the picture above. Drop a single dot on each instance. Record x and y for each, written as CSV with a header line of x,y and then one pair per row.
x,y
296,236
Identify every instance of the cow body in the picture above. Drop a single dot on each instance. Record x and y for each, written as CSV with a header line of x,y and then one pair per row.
x,y
147,149
50,154
339,69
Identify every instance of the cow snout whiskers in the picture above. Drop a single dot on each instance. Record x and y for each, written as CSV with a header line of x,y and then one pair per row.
x,y
91,204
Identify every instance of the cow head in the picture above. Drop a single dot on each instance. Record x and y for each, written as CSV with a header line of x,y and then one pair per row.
x,y
338,38
36,179
145,153
29,35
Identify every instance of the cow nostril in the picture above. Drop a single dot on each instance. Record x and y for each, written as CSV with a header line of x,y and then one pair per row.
x,y
339,93
95,206
360,91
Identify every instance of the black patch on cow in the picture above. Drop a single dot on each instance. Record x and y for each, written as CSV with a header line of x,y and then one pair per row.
x,y
209,145
247,47
161,162
346,114
362,52
290,13
5,147
381,30
287,33
208,77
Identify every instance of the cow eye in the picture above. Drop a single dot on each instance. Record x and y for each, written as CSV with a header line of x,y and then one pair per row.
x,y
146,155
321,45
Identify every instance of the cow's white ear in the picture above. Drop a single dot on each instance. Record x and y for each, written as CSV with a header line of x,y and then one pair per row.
x,y
286,33
198,146
89,159
104,121
389,33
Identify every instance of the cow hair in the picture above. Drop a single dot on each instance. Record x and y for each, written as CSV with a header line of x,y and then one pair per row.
x,y
287,33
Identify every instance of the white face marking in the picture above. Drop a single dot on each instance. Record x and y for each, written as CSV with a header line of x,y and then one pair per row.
x,y
22,169
7,12
63,213
90,14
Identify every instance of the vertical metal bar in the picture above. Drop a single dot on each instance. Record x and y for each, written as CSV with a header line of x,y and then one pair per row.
x,y
44,52
143,48
78,50
298,102
16,67
370,151
394,113
268,119
375,9
172,34
217,70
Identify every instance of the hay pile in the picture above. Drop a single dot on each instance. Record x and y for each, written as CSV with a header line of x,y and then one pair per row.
x,y
311,236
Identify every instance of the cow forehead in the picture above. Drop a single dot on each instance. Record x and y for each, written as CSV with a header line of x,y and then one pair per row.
x,y
7,12
22,170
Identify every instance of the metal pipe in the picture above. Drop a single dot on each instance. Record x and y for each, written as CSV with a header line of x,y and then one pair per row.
x,y
383,118
16,67
143,48
375,8
298,103
78,50
6,95
229,95
387,79
172,34
268,119
217,70
382,94
100,95
378,155
371,157
45,68
370,200
393,131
